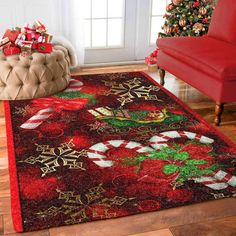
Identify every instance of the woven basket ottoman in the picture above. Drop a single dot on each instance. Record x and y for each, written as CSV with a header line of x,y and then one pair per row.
x,y
34,76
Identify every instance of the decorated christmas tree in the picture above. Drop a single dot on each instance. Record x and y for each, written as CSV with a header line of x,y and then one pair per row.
x,y
187,18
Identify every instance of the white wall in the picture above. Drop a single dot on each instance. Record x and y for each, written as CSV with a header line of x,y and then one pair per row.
x,y
18,12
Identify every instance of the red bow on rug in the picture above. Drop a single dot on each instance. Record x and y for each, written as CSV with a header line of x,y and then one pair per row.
x,y
49,105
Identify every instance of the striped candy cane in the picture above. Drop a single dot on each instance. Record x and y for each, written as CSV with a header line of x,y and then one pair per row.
x,y
97,153
44,114
37,119
219,180
160,140
74,86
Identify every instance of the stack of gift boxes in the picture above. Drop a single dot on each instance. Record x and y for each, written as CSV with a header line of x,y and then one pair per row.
x,y
151,61
26,40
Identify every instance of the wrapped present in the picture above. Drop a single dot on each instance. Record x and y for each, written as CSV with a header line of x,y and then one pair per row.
x,y
34,44
4,42
12,34
26,48
32,36
20,39
11,50
39,27
42,39
151,61
48,37
45,47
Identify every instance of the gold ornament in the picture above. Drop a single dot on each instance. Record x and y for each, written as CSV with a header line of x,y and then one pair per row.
x,y
197,28
177,2
202,10
182,22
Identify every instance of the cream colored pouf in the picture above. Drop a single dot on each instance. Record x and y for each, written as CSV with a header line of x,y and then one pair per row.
x,y
34,76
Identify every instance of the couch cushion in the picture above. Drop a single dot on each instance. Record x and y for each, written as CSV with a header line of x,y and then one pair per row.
x,y
223,21
214,57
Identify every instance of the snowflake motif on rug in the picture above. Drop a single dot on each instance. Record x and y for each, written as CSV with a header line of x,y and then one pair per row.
x,y
130,90
24,111
78,206
51,158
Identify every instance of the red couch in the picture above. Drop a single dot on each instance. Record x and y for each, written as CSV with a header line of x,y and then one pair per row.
x,y
207,63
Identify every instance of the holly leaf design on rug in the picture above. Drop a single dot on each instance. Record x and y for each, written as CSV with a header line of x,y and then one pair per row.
x,y
74,95
185,164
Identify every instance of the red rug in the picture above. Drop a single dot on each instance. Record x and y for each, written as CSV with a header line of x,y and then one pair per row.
x,y
111,145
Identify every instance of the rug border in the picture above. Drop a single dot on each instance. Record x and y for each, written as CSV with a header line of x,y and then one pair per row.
x,y
14,187
190,110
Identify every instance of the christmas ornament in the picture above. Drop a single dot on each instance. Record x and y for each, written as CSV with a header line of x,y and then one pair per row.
x,y
177,2
167,29
202,10
197,28
182,22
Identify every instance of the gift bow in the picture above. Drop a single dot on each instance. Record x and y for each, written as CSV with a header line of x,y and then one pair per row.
x,y
59,104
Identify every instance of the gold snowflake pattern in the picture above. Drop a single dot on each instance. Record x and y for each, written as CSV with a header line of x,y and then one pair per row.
x,y
77,206
131,89
52,158
24,111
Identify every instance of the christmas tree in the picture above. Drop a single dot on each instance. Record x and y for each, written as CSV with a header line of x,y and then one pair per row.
x,y
187,18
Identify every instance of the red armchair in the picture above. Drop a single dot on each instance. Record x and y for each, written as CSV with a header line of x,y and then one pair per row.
x,y
207,63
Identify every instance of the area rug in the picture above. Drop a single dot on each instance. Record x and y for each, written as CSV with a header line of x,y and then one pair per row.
x,y
111,145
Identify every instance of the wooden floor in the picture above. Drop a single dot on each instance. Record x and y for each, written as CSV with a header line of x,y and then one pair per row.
x,y
215,218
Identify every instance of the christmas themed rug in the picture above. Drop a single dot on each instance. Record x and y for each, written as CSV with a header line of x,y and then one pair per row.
x,y
111,145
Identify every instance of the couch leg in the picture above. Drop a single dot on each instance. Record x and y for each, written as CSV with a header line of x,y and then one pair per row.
x,y
219,108
162,76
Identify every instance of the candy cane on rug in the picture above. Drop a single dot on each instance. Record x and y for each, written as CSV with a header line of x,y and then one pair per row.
x,y
44,114
218,180
97,153
74,86
160,140
38,118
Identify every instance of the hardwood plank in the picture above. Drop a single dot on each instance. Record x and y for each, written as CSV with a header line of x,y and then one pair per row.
x,y
5,189
3,142
5,206
153,221
4,175
162,232
222,227
1,224
1,109
3,163
8,226
3,152
35,233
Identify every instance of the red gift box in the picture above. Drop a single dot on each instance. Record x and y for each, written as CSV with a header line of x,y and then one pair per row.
x,y
32,36
12,34
45,47
11,50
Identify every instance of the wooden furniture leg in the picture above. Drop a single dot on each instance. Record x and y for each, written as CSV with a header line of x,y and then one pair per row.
x,y
219,108
162,76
